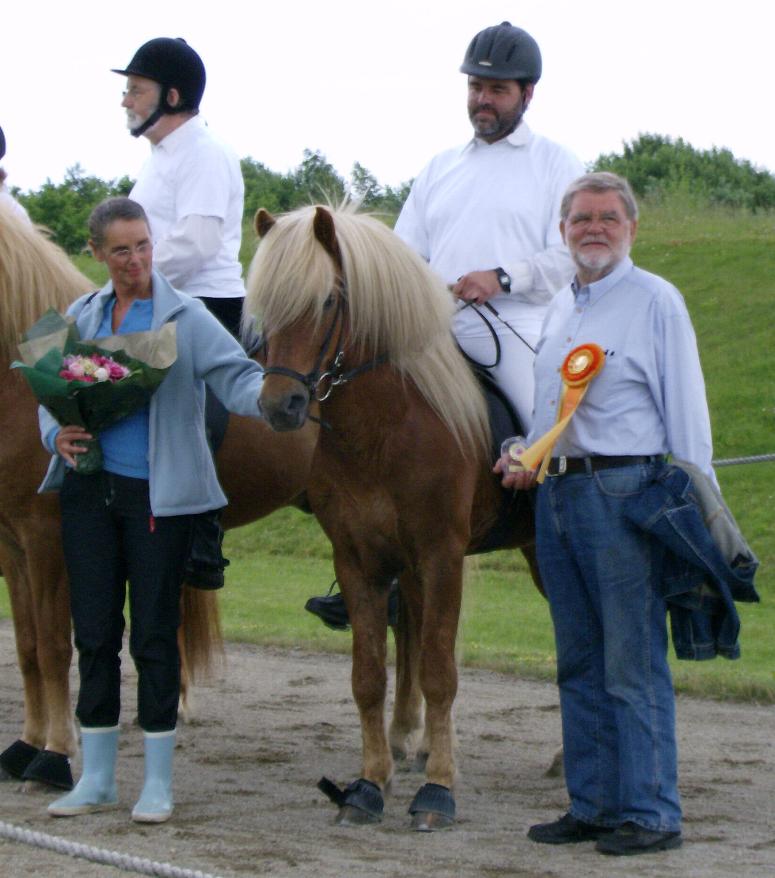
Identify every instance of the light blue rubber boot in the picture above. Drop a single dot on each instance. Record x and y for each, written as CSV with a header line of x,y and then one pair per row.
x,y
155,802
96,790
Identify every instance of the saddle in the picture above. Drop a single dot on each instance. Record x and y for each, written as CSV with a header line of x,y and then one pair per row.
x,y
504,423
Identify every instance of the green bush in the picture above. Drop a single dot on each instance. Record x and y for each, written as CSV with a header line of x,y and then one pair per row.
x,y
657,166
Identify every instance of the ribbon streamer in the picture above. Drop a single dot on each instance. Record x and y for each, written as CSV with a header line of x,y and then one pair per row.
x,y
581,365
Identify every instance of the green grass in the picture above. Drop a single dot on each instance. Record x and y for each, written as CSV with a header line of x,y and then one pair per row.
x,y
724,264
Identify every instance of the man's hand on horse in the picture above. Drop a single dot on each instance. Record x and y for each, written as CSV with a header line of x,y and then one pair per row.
x,y
68,442
477,287
520,479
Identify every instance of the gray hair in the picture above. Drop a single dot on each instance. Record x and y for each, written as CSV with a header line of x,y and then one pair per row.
x,y
601,181
110,210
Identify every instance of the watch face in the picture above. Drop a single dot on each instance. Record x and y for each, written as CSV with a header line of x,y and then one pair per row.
x,y
505,281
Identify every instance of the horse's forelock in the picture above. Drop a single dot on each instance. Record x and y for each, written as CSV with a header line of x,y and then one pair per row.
x,y
291,275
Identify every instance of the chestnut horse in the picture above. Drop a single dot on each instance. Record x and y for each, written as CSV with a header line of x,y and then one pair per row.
x,y
401,480
36,275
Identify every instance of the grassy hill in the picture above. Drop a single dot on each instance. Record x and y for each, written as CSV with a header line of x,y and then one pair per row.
x,y
724,264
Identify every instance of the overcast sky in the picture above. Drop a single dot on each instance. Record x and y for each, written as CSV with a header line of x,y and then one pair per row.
x,y
379,83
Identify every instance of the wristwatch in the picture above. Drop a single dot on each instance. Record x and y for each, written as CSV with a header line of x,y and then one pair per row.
x,y
504,279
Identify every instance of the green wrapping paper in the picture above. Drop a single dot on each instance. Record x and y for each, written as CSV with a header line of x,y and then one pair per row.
x,y
93,406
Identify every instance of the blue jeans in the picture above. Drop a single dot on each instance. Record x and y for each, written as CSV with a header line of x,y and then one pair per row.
x,y
601,576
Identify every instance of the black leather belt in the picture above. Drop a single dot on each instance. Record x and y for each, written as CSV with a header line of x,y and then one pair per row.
x,y
560,466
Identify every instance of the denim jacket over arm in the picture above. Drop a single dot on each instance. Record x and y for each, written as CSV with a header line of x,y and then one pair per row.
x,y
702,577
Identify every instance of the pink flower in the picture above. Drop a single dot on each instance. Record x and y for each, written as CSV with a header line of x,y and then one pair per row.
x,y
91,368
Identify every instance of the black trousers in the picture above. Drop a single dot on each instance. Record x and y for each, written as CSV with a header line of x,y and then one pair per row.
x,y
228,311
110,537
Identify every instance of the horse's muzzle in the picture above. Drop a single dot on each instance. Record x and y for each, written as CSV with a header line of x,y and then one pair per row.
x,y
286,412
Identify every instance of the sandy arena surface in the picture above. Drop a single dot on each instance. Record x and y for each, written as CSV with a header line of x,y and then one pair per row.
x,y
275,721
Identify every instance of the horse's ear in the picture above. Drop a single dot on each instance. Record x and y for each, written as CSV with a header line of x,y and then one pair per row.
x,y
325,232
263,221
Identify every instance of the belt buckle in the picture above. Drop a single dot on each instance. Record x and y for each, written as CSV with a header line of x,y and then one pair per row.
x,y
562,466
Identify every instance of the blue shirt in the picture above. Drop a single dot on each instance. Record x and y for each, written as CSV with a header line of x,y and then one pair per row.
x,y
650,396
125,444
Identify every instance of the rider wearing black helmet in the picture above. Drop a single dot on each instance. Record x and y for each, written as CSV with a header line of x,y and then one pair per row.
x,y
191,187
486,215
192,190
177,68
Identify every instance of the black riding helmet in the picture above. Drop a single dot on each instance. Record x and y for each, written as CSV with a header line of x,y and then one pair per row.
x,y
2,143
173,64
503,52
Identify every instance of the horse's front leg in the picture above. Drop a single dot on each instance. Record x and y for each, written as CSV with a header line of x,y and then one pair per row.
x,y
442,574
48,692
406,727
367,607
44,670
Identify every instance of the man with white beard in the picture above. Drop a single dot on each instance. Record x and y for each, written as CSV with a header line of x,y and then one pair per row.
x,y
601,572
193,193
191,187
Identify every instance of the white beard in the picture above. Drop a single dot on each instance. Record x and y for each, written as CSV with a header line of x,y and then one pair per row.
x,y
601,262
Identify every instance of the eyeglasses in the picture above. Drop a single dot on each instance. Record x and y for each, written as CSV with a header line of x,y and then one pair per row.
x,y
124,254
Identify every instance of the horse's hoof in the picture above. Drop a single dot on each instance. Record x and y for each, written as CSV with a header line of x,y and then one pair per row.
x,y
428,821
50,769
433,808
359,803
15,760
349,815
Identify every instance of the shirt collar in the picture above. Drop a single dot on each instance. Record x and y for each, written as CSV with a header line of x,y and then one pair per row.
x,y
520,136
175,139
599,288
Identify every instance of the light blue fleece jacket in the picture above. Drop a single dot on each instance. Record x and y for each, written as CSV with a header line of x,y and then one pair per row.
x,y
182,478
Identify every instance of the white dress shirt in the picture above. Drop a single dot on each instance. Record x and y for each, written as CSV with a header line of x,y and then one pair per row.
x,y
192,190
488,205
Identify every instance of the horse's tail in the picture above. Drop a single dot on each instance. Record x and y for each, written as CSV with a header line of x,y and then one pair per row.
x,y
200,639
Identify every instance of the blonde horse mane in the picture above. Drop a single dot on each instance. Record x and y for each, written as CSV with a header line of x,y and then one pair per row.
x,y
397,306
35,275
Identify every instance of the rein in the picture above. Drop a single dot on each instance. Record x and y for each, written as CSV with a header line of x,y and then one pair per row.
x,y
493,333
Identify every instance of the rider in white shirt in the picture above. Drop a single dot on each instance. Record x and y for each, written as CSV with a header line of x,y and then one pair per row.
x,y
191,185
486,215
6,199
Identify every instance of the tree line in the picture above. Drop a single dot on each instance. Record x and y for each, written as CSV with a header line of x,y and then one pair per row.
x,y
657,167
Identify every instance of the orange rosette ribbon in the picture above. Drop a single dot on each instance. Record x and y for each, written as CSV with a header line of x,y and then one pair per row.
x,y
581,365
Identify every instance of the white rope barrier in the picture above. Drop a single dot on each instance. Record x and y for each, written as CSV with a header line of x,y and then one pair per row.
x,y
754,458
97,855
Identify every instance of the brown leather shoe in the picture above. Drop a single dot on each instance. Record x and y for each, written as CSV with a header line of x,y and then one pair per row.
x,y
630,839
566,830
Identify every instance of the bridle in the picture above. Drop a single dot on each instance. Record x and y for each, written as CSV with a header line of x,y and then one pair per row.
x,y
320,381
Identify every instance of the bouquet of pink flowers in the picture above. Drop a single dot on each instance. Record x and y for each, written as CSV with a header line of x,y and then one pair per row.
x,y
91,368
93,383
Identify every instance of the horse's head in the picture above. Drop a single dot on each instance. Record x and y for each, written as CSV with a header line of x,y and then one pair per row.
x,y
296,282
337,293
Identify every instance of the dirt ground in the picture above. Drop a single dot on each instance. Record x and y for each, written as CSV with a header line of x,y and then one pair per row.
x,y
274,722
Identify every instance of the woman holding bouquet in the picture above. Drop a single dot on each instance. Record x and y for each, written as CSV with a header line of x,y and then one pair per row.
x,y
132,521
